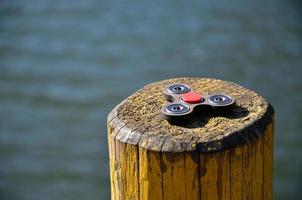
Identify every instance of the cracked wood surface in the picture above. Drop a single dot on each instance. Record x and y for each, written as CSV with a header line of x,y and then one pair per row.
x,y
139,122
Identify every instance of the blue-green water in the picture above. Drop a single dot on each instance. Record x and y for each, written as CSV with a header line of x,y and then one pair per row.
x,y
65,64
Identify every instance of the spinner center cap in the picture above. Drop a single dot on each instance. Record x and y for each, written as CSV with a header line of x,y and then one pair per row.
x,y
191,97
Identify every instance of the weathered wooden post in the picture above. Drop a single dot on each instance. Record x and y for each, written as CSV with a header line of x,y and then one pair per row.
x,y
212,157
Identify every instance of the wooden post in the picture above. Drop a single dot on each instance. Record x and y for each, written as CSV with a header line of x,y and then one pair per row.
x,y
215,156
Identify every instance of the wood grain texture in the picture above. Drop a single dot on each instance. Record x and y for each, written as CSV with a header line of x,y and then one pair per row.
x,y
150,173
247,186
215,176
129,157
268,162
258,165
209,132
223,157
192,174
174,176
236,165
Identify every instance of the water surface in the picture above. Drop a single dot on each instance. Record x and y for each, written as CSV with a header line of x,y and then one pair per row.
x,y
65,64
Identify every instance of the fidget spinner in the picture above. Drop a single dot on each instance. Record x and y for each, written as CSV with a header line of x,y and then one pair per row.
x,y
184,102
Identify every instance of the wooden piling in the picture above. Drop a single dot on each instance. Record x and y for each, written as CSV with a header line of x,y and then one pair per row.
x,y
219,156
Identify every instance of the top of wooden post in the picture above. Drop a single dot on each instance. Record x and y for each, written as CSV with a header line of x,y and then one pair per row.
x,y
137,120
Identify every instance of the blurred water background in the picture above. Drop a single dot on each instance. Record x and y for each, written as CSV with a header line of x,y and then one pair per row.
x,y
65,64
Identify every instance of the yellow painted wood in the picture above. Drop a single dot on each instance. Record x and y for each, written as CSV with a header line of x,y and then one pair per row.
x,y
124,180
224,175
208,172
116,172
268,162
215,176
236,173
174,178
192,175
129,185
111,147
258,168
243,172
150,174
247,184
